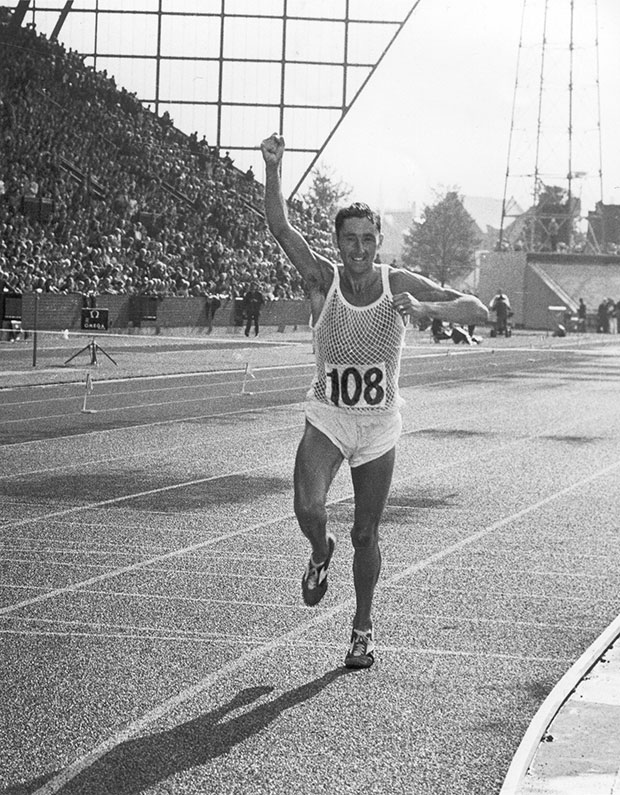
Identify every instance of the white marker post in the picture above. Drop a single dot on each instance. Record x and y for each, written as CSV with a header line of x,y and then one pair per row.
x,y
88,388
247,373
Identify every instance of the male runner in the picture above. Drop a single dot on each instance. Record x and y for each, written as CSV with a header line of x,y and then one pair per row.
x,y
359,312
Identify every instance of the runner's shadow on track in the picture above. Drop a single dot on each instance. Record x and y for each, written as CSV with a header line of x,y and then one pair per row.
x,y
143,762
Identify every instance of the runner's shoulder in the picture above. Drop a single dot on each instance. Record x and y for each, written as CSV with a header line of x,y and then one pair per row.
x,y
406,281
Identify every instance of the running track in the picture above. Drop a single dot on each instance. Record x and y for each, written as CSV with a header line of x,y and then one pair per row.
x,y
153,636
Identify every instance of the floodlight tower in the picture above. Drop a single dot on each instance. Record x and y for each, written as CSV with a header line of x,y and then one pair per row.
x,y
554,162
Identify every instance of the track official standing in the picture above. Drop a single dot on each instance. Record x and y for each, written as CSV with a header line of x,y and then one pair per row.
x,y
252,304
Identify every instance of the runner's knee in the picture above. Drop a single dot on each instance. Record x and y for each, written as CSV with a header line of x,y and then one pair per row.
x,y
364,536
309,511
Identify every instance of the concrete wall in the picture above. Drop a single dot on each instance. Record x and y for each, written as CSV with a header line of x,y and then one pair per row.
x,y
504,272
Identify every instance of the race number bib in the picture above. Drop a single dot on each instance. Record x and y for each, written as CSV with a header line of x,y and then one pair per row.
x,y
355,386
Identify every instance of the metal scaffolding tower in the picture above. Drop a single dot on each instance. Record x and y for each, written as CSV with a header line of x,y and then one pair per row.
x,y
554,162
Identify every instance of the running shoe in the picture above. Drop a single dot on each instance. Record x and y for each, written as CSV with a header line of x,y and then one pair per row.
x,y
361,652
314,581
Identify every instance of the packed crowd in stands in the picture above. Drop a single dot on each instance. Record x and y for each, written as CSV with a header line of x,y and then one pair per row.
x,y
99,195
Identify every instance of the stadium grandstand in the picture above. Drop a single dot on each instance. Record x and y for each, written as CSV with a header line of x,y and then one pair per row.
x,y
101,196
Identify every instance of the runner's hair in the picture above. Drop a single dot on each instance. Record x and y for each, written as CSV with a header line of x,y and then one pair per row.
x,y
357,210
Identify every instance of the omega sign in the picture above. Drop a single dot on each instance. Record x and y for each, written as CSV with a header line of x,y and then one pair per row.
x,y
95,319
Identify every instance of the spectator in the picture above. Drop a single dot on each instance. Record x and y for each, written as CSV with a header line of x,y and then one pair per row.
x,y
553,230
612,316
582,315
602,318
501,306
212,304
252,304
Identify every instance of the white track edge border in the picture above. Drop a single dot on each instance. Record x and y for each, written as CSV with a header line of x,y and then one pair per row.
x,y
552,705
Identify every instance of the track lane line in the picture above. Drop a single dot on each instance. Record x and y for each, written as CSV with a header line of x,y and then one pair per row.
x,y
293,406
142,425
83,763
176,553
74,587
432,652
145,454
448,354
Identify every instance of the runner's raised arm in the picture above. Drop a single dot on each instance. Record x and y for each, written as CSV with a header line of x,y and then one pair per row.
x,y
310,265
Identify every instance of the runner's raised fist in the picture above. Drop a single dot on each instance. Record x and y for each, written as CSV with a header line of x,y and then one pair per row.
x,y
273,148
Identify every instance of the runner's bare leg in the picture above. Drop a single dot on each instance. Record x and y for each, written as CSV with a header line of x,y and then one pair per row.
x,y
371,483
318,460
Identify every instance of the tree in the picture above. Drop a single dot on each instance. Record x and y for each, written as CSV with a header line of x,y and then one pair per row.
x,y
442,244
326,194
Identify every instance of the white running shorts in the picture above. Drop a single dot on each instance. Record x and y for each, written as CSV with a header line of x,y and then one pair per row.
x,y
360,437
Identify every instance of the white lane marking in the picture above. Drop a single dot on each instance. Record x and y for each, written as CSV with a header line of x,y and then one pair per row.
x,y
208,384
144,454
458,380
242,661
154,630
174,553
185,571
142,425
137,406
72,633
455,619
156,597
480,571
434,652
175,400
73,587
408,353
130,627
505,521
123,498
497,592
135,378
131,552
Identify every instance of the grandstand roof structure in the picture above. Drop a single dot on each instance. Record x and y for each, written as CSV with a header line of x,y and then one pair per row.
x,y
234,70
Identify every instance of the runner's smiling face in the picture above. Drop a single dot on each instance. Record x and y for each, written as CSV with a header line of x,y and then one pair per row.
x,y
358,242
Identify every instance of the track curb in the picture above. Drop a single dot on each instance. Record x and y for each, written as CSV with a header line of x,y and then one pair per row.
x,y
552,705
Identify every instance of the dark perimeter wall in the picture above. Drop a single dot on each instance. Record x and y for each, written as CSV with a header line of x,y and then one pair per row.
x,y
59,312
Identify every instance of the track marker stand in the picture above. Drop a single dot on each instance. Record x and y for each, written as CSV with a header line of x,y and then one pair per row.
x,y
93,348
247,373
88,388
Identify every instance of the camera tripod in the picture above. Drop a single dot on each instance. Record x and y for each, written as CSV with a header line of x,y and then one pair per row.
x,y
93,348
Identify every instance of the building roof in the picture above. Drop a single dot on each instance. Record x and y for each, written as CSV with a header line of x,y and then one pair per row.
x,y
487,212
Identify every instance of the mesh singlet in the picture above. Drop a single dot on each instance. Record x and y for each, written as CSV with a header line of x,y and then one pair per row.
x,y
358,351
